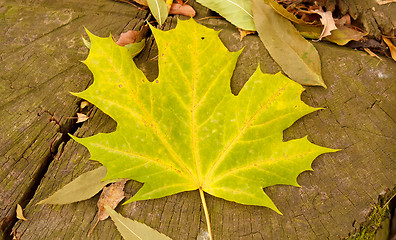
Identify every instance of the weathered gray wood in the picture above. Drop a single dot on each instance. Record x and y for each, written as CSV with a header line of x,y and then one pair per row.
x,y
39,52
359,117
376,19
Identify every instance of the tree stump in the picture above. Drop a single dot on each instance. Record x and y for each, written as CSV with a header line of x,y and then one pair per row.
x,y
41,65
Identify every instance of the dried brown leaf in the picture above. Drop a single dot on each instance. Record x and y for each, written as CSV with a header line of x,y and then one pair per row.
x,y
111,196
244,33
127,38
81,117
392,47
83,105
385,1
328,23
141,2
182,9
345,20
132,36
19,213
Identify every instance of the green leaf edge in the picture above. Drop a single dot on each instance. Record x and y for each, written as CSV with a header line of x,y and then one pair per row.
x,y
121,221
96,187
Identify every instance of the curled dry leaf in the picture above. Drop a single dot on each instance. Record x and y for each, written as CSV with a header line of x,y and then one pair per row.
x,y
284,13
141,2
382,2
127,38
392,47
244,33
132,36
182,9
328,23
341,36
111,196
345,20
19,213
83,105
81,117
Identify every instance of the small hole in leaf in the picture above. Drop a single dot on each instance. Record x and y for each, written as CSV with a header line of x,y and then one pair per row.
x,y
202,38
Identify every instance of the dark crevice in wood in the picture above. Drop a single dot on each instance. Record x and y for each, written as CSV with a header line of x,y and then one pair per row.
x,y
56,150
392,224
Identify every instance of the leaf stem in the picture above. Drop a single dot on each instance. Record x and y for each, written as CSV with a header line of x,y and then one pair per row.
x,y
201,193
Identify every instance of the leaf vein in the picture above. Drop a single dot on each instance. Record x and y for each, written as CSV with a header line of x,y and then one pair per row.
x,y
241,132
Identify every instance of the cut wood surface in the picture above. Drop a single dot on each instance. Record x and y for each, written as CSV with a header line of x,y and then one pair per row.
x,y
40,65
374,18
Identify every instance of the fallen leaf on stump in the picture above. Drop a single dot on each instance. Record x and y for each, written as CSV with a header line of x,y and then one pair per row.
x,y
328,23
392,47
132,36
83,105
127,38
133,230
244,33
345,20
82,188
385,2
142,2
19,213
81,117
111,196
182,9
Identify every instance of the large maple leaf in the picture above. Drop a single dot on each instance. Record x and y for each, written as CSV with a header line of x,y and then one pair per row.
x,y
186,130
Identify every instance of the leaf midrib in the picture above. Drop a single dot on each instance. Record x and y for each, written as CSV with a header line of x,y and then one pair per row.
x,y
250,15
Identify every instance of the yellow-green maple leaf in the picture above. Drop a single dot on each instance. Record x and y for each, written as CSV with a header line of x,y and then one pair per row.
x,y
186,130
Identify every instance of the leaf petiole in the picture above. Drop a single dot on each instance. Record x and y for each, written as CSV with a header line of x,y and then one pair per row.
x,y
201,193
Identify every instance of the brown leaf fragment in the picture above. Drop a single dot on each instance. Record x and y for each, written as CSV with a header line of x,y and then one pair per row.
x,y
182,9
244,33
111,196
345,20
81,117
19,213
83,105
132,36
385,1
342,35
328,23
127,38
392,47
